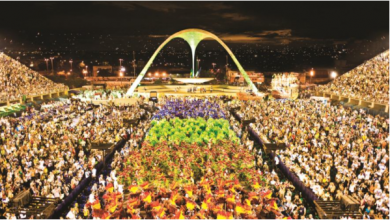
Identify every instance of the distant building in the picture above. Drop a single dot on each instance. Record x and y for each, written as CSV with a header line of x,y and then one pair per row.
x,y
235,76
96,69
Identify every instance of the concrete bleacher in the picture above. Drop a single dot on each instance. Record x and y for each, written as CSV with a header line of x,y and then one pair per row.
x,y
356,102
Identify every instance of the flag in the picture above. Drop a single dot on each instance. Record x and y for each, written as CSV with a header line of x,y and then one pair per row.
x,y
247,202
155,204
230,198
96,204
256,185
239,208
188,190
237,184
224,215
274,205
220,193
267,194
110,187
131,203
252,195
218,208
242,209
105,215
191,205
112,207
147,198
133,188
173,198
220,215
145,185
204,206
179,214
201,214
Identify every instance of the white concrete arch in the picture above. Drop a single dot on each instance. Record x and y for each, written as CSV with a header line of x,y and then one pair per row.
x,y
193,37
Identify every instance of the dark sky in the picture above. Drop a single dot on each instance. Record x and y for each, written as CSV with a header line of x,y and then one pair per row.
x,y
273,22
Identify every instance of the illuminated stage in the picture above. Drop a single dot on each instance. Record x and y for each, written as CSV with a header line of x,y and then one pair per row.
x,y
193,80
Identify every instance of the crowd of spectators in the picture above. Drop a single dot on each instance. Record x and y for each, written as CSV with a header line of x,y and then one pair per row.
x,y
333,150
17,80
101,94
369,81
48,151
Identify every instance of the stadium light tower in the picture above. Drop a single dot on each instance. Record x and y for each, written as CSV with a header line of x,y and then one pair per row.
x,y
52,67
333,74
71,65
47,65
198,61
311,74
134,66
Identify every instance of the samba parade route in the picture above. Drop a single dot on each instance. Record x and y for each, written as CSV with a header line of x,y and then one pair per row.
x,y
185,168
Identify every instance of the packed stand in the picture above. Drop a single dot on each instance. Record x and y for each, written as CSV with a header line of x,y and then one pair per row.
x,y
333,150
101,94
17,80
369,81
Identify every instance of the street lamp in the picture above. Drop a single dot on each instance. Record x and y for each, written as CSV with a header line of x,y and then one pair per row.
x,y
333,74
47,65
156,74
85,71
198,60
311,74
134,66
52,67
71,65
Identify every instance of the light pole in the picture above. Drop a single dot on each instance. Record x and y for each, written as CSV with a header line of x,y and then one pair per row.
x,y
198,61
85,71
333,75
227,66
71,65
311,74
47,65
134,66
52,67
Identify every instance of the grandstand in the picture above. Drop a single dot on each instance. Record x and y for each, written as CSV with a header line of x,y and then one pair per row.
x,y
19,82
369,82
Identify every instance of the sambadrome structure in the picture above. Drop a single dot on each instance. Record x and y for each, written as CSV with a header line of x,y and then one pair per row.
x,y
193,37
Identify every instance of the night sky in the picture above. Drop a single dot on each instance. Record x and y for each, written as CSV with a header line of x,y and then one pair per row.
x,y
249,22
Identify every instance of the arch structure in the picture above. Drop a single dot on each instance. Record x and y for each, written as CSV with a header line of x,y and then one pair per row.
x,y
192,37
